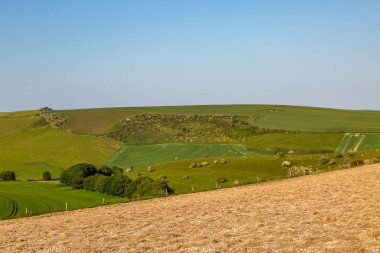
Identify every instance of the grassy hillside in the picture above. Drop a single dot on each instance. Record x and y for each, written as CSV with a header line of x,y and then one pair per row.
x,y
12,122
143,155
301,143
32,151
246,170
40,198
295,118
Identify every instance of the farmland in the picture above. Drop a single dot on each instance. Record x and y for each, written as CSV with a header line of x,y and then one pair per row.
x,y
143,155
292,118
245,170
352,142
17,198
248,137
328,212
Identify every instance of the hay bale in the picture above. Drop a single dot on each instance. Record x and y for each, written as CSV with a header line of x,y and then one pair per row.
x,y
236,183
150,169
216,161
192,165
129,170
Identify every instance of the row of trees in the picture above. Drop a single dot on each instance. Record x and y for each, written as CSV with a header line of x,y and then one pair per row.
x,y
112,181
11,176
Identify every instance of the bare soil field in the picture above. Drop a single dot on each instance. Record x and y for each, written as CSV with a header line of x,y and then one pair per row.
x,y
330,212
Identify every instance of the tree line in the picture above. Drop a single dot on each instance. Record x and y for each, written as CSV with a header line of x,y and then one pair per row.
x,y
112,181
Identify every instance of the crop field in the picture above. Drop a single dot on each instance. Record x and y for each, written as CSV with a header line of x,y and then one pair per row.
x,y
301,143
328,212
143,155
294,118
18,199
353,142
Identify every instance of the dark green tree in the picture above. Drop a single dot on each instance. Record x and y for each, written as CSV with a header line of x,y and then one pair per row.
x,y
8,176
46,176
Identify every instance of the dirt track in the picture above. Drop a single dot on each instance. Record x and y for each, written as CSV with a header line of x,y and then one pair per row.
x,y
330,212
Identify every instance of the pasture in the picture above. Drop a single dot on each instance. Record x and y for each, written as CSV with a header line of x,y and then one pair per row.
x,y
144,155
32,151
293,118
246,170
18,199
301,143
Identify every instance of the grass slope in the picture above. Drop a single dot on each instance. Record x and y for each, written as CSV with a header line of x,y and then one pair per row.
x,y
40,198
143,155
301,143
295,118
32,151
245,170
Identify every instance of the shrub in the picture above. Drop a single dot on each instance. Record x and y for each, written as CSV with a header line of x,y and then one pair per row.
x,y
332,161
145,186
101,183
221,180
46,176
323,160
77,182
107,171
280,154
89,183
116,184
357,162
8,176
338,155
351,154
74,174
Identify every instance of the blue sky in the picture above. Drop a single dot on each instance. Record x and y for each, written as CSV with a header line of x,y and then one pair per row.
x,y
79,54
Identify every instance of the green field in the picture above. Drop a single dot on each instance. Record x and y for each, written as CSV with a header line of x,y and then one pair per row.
x,y
294,118
29,150
353,142
143,155
245,170
29,147
38,198
300,143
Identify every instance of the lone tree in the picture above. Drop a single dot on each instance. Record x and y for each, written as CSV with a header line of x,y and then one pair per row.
x,y
46,176
8,176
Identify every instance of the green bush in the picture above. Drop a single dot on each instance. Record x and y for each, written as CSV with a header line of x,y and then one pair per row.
x,y
116,184
89,183
107,171
74,175
46,176
145,186
102,183
8,176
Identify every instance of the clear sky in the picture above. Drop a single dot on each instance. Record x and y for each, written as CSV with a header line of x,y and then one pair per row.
x,y
77,53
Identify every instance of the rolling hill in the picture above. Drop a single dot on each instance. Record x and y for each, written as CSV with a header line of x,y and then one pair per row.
x,y
292,118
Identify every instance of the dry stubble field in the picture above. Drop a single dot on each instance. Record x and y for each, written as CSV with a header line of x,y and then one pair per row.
x,y
329,212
